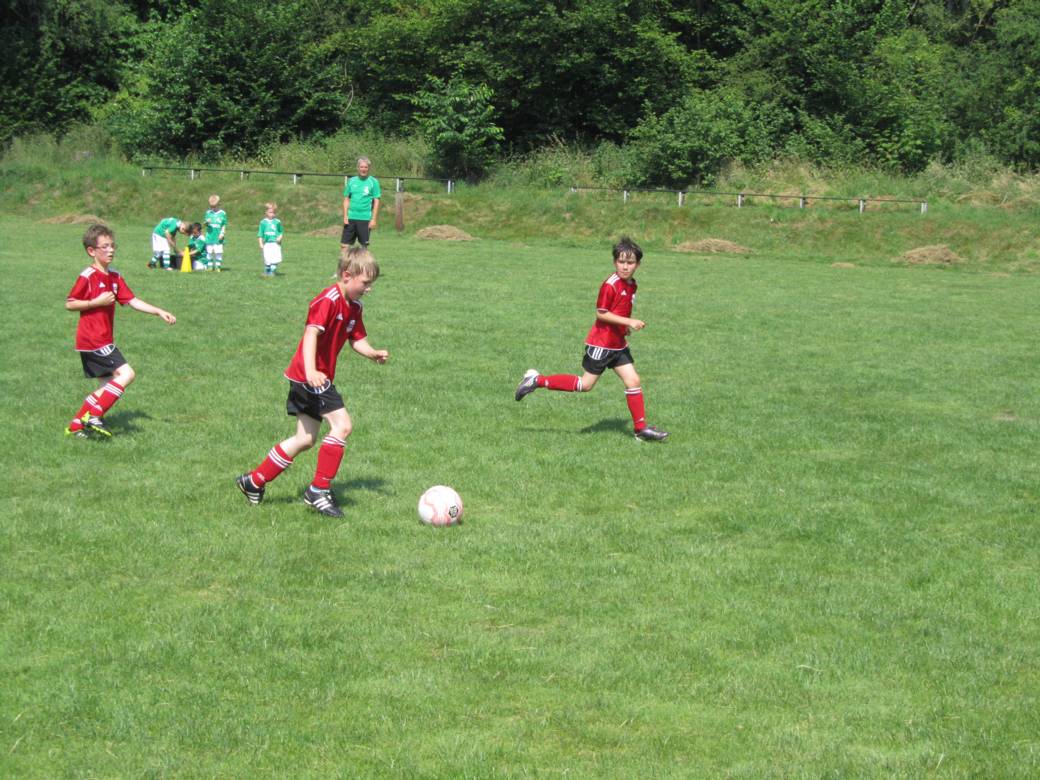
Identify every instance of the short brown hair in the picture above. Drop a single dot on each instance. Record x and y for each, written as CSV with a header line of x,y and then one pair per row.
x,y
94,232
357,260
626,246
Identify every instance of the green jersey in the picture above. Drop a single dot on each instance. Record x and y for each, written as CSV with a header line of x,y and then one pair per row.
x,y
167,226
197,245
215,222
361,193
270,230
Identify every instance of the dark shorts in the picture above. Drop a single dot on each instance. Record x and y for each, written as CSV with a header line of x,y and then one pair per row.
x,y
355,229
101,362
304,399
597,359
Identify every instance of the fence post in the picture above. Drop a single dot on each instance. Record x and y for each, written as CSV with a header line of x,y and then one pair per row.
x,y
451,186
862,205
574,190
624,196
682,197
296,178
924,207
740,200
192,173
801,202
144,171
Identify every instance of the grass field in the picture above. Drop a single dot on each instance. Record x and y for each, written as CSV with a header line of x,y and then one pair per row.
x,y
828,570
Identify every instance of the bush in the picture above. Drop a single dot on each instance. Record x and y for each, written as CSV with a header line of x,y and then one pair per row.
x,y
690,143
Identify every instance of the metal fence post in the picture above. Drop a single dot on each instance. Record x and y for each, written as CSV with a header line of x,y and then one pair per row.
x,y
801,202
624,196
740,200
682,197
924,207
862,205
192,174
451,186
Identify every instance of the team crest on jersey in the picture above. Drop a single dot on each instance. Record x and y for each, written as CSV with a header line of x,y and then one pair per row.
x,y
350,325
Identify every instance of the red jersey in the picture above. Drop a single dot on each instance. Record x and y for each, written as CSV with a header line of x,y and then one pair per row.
x,y
96,325
616,296
338,320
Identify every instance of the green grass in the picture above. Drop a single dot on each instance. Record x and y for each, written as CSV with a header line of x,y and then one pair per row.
x,y
828,570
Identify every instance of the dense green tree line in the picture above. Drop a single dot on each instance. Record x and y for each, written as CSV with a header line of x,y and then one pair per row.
x,y
680,86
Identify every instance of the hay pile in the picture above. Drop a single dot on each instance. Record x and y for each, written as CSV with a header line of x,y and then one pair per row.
x,y
712,246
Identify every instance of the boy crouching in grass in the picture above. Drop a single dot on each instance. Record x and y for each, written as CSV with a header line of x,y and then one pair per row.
x,y
94,296
333,320
606,346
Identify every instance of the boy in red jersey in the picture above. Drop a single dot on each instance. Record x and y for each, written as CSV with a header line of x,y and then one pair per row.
x,y
94,296
333,320
606,345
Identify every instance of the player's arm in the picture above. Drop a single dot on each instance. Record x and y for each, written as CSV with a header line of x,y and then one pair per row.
x,y
79,304
315,378
147,308
346,208
616,319
375,212
363,348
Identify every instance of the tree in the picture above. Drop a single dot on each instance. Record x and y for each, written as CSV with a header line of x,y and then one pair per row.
x,y
457,119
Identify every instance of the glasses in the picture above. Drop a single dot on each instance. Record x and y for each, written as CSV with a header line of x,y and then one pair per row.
x,y
103,247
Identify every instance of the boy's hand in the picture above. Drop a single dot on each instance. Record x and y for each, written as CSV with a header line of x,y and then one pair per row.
x,y
636,324
380,356
166,317
316,379
105,299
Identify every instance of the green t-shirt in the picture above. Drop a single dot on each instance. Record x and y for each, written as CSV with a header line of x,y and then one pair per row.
x,y
215,221
197,245
270,230
361,193
167,226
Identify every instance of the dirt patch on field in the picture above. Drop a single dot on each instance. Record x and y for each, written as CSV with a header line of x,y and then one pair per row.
x,y
443,233
938,254
712,246
334,230
73,219
843,265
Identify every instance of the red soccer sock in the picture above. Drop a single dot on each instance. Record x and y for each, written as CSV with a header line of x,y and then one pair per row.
x,y
634,397
274,464
330,455
101,400
568,383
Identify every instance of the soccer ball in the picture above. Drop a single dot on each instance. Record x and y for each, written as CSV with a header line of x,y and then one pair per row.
x,y
440,505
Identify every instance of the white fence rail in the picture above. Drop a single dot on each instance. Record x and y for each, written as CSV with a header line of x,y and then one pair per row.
x,y
742,197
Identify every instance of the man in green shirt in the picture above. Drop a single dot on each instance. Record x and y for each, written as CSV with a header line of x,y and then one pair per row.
x,y
360,205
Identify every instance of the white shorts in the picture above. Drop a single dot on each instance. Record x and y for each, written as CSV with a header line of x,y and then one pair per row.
x,y
272,254
214,249
160,245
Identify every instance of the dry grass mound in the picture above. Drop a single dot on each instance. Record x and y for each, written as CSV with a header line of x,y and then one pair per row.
x,y
712,246
938,254
73,219
843,265
443,233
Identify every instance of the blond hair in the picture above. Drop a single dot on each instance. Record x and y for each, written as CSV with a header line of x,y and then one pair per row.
x,y
214,200
357,261
273,206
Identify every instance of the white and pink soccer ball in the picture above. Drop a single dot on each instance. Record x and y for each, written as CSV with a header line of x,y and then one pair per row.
x,y
440,506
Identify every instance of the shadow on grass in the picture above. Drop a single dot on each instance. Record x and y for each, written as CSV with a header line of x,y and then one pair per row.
x,y
125,422
603,426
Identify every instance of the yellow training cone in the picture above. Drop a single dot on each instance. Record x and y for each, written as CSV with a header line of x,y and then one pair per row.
x,y
186,261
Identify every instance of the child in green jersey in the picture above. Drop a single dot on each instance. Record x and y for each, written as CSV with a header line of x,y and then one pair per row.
x,y
270,238
197,247
216,225
164,242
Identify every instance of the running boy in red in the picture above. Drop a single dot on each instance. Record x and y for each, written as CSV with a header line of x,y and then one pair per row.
x,y
333,320
94,296
606,345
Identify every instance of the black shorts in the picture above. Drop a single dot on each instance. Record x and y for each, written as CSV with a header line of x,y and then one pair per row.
x,y
355,229
596,360
304,399
102,362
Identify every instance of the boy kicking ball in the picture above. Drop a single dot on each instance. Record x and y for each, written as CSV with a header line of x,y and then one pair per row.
x,y
94,296
333,320
606,345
